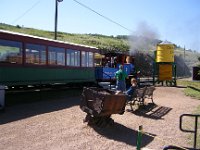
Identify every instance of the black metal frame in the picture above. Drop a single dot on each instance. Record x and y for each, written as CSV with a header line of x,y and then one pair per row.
x,y
185,130
195,127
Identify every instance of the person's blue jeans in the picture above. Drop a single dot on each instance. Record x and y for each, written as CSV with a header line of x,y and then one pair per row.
x,y
121,85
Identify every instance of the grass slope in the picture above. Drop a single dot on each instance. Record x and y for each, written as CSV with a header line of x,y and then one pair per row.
x,y
101,41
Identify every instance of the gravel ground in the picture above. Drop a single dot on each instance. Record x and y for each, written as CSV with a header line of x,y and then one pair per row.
x,y
58,125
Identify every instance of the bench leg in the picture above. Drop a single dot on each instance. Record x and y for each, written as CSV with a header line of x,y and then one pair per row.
x,y
141,101
152,99
131,103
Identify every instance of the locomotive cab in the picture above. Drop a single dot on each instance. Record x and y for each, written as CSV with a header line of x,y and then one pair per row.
x,y
108,63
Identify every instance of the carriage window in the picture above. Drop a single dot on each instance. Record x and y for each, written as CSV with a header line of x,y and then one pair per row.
x,y
90,60
56,56
35,54
10,52
87,59
83,59
73,58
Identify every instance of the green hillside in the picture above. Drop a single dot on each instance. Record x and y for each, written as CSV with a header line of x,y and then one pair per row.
x,y
101,41
185,59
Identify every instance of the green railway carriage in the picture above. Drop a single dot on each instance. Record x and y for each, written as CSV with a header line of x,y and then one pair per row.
x,y
31,60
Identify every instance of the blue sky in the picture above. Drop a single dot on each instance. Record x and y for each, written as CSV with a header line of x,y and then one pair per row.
x,y
177,21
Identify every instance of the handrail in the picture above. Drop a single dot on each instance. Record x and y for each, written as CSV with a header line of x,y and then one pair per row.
x,y
109,78
106,75
195,127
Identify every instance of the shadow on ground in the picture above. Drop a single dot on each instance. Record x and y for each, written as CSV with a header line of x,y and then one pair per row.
x,y
196,89
121,133
153,111
24,105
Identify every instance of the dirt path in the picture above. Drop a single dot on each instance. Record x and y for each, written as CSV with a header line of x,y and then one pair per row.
x,y
58,125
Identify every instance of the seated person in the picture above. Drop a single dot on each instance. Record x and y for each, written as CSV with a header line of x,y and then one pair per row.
x,y
132,88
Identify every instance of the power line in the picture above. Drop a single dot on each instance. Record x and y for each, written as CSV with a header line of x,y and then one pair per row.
x,y
26,11
102,16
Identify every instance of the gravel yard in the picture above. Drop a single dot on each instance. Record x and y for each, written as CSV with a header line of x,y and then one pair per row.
x,y
58,125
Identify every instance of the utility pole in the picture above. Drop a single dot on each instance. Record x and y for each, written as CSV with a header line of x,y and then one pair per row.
x,y
184,60
56,17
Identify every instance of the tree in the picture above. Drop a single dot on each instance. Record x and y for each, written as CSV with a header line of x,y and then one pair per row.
x,y
199,58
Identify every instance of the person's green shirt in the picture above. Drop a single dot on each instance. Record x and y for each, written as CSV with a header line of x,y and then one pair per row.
x,y
120,75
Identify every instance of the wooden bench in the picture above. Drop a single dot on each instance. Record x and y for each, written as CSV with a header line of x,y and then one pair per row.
x,y
149,93
141,94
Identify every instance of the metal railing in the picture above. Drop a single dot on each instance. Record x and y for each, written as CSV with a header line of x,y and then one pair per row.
x,y
107,76
196,116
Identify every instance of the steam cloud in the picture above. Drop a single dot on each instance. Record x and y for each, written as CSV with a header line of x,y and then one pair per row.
x,y
143,38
